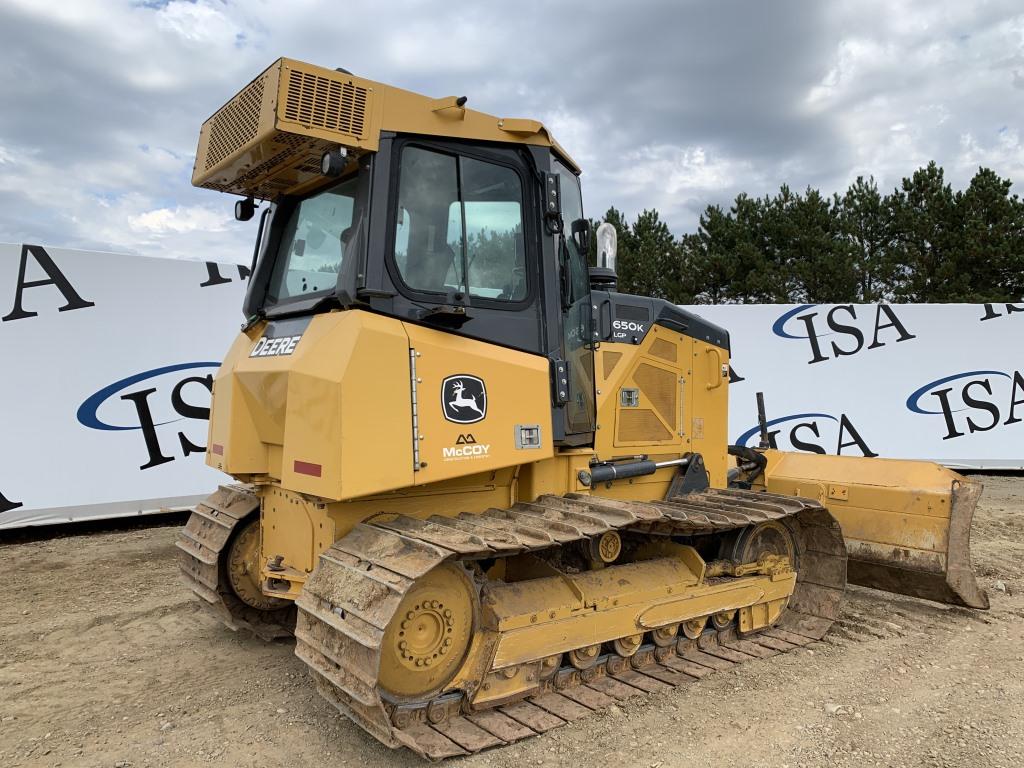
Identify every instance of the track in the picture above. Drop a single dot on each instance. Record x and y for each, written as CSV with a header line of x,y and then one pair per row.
x,y
209,531
359,583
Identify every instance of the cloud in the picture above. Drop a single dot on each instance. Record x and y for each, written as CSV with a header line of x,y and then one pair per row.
x,y
178,220
665,104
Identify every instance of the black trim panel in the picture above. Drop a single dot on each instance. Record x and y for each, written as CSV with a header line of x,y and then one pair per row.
x,y
621,319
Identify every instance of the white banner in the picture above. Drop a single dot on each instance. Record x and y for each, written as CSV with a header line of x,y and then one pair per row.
x,y
108,360
931,381
105,380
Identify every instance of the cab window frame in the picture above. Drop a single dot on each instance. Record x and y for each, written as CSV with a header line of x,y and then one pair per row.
x,y
531,244
283,206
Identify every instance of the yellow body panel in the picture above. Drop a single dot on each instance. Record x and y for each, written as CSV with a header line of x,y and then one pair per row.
x,y
331,420
709,420
517,394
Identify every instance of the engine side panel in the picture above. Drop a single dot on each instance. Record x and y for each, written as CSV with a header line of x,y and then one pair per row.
x,y
662,396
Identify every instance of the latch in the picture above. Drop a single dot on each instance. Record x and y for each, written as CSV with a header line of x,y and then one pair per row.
x,y
528,436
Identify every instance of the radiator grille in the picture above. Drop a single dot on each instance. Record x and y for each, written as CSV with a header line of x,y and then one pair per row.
x,y
261,180
321,102
641,426
236,123
658,387
666,350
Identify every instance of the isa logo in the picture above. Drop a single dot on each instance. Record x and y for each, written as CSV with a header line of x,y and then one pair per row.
x,y
972,401
145,401
839,332
813,433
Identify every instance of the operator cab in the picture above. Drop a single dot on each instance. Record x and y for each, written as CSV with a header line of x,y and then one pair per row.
x,y
480,239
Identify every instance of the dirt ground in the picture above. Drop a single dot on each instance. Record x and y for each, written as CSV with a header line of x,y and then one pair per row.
x,y
105,660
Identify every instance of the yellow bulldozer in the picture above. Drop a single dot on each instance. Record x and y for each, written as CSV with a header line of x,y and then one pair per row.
x,y
486,492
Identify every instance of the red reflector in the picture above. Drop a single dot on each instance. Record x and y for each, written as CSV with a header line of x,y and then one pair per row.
x,y
307,468
218,449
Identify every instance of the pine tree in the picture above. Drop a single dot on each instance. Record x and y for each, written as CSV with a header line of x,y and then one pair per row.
x,y
653,267
922,243
766,232
711,258
993,240
927,234
816,253
865,227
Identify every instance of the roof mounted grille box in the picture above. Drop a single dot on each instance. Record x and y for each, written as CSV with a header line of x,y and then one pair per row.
x,y
270,137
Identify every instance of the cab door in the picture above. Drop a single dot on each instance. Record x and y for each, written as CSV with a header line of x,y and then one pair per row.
x,y
574,385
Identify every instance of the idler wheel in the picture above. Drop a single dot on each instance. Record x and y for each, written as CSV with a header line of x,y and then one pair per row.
x,y
549,665
768,538
243,569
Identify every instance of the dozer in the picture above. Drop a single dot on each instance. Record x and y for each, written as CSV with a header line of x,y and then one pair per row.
x,y
486,492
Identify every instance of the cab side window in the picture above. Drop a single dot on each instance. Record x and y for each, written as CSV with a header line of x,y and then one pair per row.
x,y
459,227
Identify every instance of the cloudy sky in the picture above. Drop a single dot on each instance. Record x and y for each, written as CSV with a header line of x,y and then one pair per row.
x,y
671,105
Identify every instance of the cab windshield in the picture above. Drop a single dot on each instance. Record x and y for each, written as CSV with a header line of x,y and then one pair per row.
x,y
317,243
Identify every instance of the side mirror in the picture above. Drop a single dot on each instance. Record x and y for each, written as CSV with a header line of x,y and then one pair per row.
x,y
245,209
581,235
607,241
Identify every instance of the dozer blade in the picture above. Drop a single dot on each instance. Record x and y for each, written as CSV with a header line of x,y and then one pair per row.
x,y
907,524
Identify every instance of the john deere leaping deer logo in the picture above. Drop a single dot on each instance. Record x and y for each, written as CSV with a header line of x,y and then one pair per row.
x,y
464,399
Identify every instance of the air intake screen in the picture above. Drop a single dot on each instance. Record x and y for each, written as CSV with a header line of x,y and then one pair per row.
x,y
611,359
658,387
320,102
235,124
666,350
641,426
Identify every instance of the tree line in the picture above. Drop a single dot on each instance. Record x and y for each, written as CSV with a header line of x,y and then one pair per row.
x,y
923,242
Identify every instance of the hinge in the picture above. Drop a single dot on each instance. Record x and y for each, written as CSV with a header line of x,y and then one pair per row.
x,y
560,381
553,203
414,390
